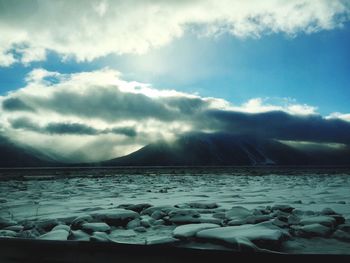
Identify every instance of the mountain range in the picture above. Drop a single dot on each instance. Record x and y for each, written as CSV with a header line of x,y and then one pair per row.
x,y
195,149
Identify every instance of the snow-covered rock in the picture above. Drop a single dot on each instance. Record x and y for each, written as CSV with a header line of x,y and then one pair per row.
x,y
338,219
328,211
96,227
293,220
203,205
60,234
341,235
237,213
313,230
190,230
255,219
135,207
184,216
99,237
115,217
158,214
164,240
7,233
264,235
345,227
6,222
164,208
283,208
122,233
134,223
323,220
47,225
279,223
64,227
140,229
80,220
30,233
79,235
16,228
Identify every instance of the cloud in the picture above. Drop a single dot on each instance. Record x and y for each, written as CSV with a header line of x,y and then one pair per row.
x,y
15,104
91,116
283,126
68,128
89,29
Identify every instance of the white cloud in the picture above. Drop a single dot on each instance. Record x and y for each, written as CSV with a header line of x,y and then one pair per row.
x,y
65,114
86,30
338,115
258,105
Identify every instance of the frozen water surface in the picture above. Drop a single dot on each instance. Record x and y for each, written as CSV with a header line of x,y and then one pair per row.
x,y
185,196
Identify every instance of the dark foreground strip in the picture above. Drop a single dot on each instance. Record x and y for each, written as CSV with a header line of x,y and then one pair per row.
x,y
27,250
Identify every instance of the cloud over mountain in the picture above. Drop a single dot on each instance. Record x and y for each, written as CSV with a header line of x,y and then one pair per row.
x,y
89,29
69,115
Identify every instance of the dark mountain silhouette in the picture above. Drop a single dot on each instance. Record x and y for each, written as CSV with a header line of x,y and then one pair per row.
x,y
214,149
194,149
13,155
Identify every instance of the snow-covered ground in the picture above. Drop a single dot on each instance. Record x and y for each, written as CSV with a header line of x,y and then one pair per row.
x,y
285,212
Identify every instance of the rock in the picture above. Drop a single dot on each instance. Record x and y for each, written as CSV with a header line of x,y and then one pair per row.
x,y
279,223
219,215
134,223
140,229
184,216
210,220
16,228
283,208
341,235
79,235
298,212
236,222
137,208
6,222
264,235
338,219
328,211
64,227
313,230
257,219
157,240
280,214
309,213
203,205
158,214
345,227
115,234
96,227
80,220
190,230
147,222
327,221
158,222
30,233
149,211
7,233
100,237
237,213
115,217
46,225
27,225
55,235
293,220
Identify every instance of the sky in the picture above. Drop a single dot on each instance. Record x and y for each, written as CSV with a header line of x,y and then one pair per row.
x,y
121,74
